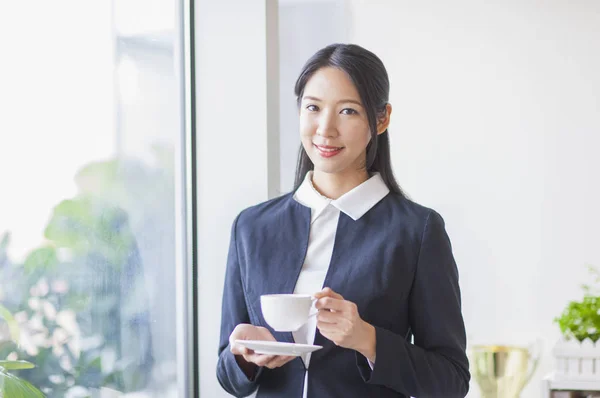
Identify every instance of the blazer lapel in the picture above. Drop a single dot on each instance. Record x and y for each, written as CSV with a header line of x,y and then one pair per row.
x,y
291,233
348,236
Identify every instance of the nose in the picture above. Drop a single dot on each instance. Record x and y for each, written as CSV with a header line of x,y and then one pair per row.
x,y
326,125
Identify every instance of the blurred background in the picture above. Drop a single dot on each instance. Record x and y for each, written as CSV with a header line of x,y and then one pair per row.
x,y
495,124
89,127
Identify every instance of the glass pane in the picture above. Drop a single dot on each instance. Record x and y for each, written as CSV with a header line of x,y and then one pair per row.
x,y
90,122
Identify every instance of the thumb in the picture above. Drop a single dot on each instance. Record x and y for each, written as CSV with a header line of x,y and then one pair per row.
x,y
328,292
238,349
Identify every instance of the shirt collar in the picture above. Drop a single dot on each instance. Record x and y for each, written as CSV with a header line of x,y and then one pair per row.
x,y
354,203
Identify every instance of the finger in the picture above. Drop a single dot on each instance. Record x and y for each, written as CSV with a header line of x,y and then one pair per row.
x,y
328,303
285,359
331,293
265,334
327,328
331,335
329,317
259,359
238,349
279,361
341,326
328,292
288,359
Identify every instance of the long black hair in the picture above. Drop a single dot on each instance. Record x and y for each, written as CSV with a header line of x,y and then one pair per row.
x,y
368,74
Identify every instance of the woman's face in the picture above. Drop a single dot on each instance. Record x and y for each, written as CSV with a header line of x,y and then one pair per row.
x,y
333,123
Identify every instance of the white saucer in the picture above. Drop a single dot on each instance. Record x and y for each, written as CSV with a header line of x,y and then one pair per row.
x,y
278,348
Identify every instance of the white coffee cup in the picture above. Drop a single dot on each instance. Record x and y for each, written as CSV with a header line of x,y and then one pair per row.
x,y
286,312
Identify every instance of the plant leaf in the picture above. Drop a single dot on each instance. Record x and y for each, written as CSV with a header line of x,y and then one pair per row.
x,y
16,365
4,241
13,326
14,387
42,259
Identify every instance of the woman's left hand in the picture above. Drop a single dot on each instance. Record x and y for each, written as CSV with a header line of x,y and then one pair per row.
x,y
339,321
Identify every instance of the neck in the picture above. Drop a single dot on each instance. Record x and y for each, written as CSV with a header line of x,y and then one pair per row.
x,y
334,185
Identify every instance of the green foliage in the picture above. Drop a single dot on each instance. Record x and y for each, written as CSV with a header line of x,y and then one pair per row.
x,y
16,365
4,241
89,272
86,224
12,386
42,259
581,319
13,327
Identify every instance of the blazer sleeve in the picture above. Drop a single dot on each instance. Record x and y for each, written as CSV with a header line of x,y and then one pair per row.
x,y
436,365
234,311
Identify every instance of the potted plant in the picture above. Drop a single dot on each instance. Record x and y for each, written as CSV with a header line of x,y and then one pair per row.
x,y
578,352
580,320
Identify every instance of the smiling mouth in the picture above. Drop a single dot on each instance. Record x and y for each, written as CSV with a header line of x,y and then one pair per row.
x,y
328,151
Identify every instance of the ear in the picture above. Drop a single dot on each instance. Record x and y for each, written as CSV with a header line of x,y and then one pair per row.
x,y
383,120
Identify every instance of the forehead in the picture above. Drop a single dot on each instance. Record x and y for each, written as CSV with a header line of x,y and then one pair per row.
x,y
331,84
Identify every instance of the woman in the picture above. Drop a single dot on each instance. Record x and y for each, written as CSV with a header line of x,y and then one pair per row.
x,y
385,262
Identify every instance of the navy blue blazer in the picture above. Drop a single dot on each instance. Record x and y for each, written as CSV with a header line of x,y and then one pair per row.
x,y
395,263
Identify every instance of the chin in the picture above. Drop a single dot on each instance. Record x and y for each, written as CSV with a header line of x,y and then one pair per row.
x,y
327,168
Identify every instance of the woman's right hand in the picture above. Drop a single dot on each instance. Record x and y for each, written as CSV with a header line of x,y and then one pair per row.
x,y
245,331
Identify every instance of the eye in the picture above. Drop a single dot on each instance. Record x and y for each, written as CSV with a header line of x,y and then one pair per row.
x,y
348,111
312,108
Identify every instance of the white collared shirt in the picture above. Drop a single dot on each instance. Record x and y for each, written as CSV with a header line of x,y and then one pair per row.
x,y
325,214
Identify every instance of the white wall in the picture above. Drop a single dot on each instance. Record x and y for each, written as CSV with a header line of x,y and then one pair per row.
x,y
496,124
496,115
233,146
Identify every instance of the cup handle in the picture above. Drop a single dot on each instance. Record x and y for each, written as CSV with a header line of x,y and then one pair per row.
x,y
310,315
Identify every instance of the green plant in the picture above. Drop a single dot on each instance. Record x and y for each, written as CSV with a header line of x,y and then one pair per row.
x,y
81,298
11,385
581,319
71,311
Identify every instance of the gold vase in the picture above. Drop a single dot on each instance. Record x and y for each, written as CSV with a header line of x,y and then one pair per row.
x,y
502,371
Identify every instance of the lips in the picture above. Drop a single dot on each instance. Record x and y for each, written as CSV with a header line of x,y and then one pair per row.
x,y
327,151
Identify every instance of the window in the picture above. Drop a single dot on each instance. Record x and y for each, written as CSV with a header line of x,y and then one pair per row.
x,y
92,244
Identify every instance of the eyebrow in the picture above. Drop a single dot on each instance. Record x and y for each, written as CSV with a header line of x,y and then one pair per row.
x,y
308,97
